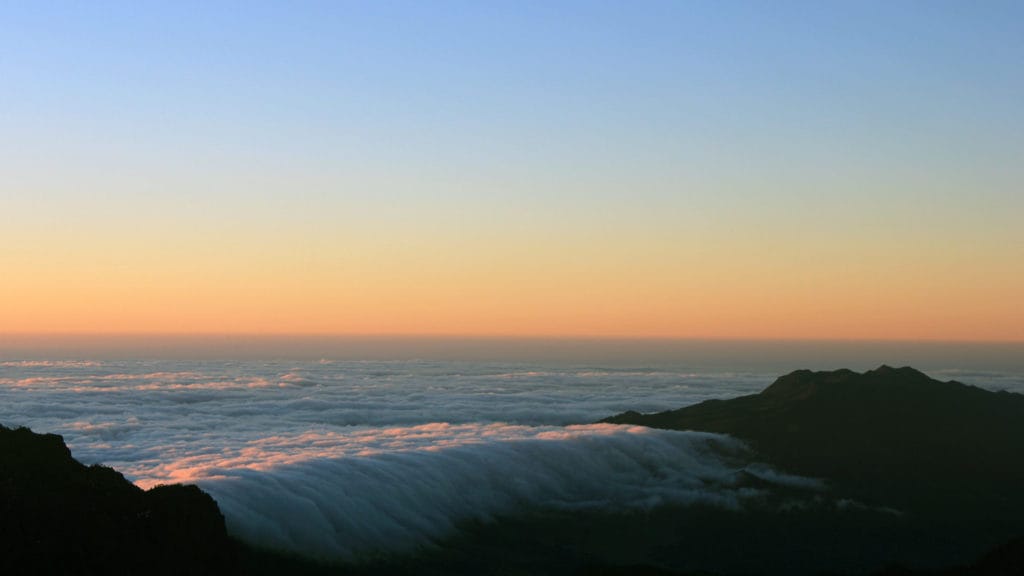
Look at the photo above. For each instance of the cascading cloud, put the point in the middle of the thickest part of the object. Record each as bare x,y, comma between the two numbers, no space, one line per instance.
400,500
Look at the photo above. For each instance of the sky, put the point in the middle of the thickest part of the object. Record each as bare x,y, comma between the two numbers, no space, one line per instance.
756,170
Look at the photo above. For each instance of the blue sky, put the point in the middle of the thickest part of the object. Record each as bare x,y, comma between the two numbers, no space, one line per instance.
466,126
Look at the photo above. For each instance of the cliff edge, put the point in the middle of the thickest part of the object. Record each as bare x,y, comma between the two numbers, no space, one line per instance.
58,516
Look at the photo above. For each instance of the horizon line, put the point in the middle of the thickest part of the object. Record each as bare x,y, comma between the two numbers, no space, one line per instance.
493,337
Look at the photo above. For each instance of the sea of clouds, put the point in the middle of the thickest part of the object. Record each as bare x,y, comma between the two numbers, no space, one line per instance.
165,404
338,459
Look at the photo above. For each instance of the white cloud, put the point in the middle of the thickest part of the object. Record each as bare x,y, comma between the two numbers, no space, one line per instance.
397,489
333,458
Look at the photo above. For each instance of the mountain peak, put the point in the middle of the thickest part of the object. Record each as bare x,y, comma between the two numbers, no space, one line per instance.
902,372
945,454
804,384
857,425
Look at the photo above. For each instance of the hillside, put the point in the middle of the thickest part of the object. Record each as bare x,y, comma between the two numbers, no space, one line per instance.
946,455
58,516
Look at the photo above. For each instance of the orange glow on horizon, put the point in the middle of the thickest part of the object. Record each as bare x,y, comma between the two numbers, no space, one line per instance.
654,279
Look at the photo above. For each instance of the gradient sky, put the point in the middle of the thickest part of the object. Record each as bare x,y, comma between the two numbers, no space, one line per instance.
677,169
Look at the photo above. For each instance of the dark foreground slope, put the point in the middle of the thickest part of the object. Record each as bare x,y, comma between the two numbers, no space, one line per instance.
948,457
58,516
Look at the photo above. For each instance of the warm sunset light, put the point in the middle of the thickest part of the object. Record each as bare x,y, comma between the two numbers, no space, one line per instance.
697,174
459,288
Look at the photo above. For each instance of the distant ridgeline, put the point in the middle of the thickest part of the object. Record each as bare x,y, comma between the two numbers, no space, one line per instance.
948,458
919,472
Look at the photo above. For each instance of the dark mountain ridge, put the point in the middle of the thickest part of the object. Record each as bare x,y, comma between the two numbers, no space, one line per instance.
946,455
58,516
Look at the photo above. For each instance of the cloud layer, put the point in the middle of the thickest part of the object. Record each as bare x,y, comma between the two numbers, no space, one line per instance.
411,487
337,459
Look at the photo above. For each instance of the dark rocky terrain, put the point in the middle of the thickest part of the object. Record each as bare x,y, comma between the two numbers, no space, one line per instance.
948,457
58,516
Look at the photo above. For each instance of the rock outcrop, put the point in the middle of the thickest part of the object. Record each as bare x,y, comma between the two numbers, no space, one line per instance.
58,516
946,456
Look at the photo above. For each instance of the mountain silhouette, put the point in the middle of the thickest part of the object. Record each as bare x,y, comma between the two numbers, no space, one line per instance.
58,516
947,456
